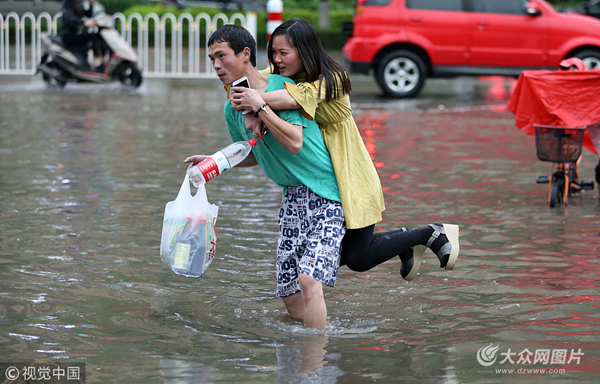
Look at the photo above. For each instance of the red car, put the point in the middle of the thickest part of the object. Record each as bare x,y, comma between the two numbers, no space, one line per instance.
406,41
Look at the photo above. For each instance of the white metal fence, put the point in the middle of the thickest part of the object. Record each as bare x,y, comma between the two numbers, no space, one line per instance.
184,56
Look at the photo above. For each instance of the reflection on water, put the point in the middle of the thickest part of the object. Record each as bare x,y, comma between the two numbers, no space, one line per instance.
85,173
173,371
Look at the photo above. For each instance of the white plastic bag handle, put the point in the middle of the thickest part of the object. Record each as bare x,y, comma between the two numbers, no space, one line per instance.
188,204
185,188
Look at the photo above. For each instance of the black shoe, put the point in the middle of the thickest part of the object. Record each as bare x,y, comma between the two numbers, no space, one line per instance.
100,68
410,267
447,253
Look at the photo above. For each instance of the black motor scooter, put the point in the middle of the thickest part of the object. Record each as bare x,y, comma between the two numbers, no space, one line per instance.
60,64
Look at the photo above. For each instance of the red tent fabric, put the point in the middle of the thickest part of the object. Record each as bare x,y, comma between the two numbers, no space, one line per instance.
559,98
571,62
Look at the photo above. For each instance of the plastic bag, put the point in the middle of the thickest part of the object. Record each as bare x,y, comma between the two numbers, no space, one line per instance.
189,236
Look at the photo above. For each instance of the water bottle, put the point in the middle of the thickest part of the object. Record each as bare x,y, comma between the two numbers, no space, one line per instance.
219,162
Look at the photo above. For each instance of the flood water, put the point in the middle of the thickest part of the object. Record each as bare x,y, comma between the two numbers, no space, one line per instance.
85,174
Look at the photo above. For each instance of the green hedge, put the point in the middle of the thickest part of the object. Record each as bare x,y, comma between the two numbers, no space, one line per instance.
560,4
313,5
114,6
160,10
143,10
332,37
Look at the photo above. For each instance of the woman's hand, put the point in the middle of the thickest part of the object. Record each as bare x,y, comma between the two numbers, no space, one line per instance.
245,98
193,160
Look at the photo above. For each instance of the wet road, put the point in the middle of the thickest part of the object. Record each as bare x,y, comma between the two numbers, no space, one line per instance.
85,173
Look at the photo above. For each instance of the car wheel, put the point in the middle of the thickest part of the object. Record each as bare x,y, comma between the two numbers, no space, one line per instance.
590,58
401,74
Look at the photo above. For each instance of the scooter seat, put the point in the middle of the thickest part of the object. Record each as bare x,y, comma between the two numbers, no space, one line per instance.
58,40
73,48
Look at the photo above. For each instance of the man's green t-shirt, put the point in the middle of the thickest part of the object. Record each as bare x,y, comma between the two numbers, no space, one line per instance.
311,166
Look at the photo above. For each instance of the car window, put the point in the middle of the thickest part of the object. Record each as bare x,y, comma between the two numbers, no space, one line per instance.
511,7
377,2
440,5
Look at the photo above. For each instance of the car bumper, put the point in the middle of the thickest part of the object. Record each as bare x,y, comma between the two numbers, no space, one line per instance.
358,54
358,67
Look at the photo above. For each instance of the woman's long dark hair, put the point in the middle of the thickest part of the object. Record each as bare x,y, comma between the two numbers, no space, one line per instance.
301,35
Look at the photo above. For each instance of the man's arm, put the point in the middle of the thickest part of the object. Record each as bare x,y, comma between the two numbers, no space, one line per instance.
254,124
249,161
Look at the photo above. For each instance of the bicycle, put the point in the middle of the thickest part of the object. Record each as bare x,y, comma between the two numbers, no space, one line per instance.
561,146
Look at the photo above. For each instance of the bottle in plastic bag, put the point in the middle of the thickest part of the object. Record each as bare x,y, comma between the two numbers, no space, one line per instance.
182,249
220,162
189,256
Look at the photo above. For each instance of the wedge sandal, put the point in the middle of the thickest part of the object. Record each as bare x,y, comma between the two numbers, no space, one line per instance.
450,248
410,268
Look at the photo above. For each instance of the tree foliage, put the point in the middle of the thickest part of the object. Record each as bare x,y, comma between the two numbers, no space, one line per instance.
313,5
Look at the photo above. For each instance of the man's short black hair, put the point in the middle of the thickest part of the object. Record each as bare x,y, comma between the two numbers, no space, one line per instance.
237,37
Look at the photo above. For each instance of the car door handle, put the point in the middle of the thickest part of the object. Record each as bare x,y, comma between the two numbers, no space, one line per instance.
416,19
481,24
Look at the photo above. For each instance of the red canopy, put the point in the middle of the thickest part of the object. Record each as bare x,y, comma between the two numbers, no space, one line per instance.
559,98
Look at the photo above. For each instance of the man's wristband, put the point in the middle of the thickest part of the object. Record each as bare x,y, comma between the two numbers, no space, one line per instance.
264,108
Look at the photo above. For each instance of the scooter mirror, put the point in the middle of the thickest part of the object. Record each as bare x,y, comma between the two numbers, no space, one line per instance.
104,21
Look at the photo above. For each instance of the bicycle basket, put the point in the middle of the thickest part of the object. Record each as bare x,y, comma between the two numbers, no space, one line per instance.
558,145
